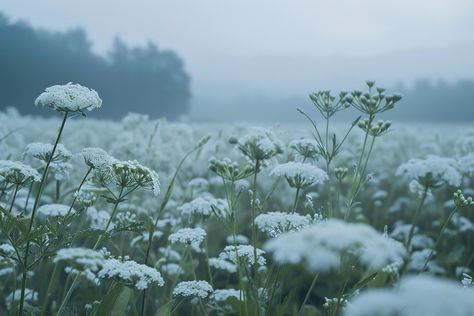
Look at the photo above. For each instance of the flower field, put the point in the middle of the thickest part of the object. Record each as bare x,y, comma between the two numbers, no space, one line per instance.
148,217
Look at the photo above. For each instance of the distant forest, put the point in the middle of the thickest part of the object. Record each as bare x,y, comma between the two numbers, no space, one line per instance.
130,79
154,81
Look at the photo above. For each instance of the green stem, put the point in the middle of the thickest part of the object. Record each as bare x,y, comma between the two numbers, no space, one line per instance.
96,245
308,293
14,198
415,218
295,203
438,239
254,233
33,212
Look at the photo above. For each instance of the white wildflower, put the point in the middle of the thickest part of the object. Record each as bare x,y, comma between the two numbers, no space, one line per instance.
276,223
43,152
306,147
188,236
131,273
204,205
200,289
421,295
299,174
96,158
259,144
18,173
69,98
321,246
432,171
245,254
81,261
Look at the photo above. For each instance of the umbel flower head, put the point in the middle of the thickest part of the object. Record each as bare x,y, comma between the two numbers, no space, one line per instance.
328,245
230,170
69,98
17,173
200,289
432,172
124,174
373,103
308,148
277,223
260,144
299,174
420,295
43,152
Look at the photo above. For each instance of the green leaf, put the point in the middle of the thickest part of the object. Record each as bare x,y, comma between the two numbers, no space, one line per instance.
116,301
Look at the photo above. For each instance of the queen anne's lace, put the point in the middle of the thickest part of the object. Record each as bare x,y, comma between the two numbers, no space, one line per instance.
69,98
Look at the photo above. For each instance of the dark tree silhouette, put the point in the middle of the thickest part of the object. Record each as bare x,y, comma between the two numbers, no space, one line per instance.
140,79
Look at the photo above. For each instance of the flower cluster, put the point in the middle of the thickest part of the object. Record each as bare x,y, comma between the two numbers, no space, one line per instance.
432,172
277,223
299,174
17,173
200,289
69,98
321,247
243,254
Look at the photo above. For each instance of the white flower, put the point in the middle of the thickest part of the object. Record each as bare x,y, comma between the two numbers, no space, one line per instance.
131,273
222,295
131,173
96,158
204,206
200,289
18,173
81,261
69,98
299,174
276,223
421,295
432,171
43,152
188,236
306,147
259,144
221,264
321,246
245,254
51,210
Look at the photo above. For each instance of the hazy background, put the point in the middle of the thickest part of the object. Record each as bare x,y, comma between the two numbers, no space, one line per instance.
240,60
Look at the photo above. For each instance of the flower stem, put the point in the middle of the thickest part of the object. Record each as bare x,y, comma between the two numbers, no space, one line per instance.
438,239
33,212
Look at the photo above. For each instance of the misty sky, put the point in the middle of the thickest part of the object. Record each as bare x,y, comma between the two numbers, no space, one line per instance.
279,48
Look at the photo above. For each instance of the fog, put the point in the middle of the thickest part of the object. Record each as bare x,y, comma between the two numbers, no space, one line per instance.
258,60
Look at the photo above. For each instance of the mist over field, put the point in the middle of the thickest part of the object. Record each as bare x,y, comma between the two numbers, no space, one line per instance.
250,158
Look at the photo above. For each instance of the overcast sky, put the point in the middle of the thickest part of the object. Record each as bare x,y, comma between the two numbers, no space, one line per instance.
279,48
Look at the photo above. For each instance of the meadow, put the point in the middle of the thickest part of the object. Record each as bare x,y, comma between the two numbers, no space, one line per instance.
149,217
